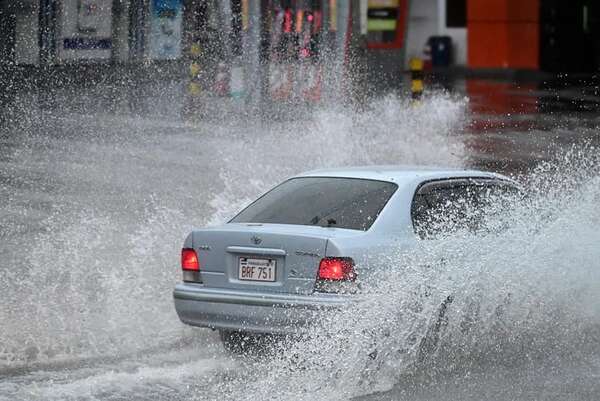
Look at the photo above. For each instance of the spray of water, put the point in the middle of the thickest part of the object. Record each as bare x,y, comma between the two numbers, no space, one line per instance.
95,222
105,217
526,296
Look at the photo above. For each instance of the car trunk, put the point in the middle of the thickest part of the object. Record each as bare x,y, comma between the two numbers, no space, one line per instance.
285,257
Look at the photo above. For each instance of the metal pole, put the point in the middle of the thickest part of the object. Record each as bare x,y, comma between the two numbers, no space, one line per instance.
116,13
47,31
251,56
226,15
264,54
341,46
137,26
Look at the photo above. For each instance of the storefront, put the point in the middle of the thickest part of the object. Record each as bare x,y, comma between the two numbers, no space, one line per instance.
260,50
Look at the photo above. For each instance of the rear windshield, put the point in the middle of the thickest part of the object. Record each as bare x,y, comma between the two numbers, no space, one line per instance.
318,201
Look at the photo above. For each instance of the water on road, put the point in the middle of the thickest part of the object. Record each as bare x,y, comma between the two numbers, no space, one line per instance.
96,197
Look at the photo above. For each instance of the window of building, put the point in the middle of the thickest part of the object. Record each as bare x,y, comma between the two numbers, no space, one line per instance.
456,13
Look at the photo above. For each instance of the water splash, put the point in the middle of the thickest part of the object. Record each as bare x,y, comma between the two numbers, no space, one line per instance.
389,131
107,216
104,205
528,296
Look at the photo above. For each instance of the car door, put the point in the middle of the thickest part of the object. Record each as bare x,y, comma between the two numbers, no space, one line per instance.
458,208
443,209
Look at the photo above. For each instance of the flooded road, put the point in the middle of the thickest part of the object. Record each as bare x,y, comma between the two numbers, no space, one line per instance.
98,190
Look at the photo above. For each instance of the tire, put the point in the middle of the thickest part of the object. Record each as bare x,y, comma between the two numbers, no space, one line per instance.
429,343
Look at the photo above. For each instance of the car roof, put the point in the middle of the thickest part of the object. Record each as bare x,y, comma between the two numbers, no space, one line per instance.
400,174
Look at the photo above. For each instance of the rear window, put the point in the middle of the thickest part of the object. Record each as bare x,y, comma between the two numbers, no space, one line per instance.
319,201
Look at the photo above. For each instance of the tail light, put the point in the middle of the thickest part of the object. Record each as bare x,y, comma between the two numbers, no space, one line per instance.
337,269
190,265
189,259
336,275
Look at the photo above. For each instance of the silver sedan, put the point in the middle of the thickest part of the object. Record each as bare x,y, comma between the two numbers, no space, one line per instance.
303,247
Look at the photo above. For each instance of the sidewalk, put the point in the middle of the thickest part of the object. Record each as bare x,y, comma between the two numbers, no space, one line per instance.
27,77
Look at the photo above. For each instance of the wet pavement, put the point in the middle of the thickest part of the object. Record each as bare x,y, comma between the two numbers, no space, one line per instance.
100,184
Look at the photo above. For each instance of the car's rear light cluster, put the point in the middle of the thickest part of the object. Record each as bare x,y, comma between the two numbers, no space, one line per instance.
337,269
336,274
190,265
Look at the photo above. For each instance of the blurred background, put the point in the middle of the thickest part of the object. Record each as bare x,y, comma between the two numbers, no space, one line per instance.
301,50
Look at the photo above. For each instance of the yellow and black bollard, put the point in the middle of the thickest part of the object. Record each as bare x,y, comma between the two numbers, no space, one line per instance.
416,77
194,87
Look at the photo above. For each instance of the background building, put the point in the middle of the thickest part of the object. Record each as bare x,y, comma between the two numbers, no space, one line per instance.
546,35
372,37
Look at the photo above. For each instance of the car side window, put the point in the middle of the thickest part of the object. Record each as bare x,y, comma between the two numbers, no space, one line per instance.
443,208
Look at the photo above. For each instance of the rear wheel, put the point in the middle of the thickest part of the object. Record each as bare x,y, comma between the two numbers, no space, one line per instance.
430,342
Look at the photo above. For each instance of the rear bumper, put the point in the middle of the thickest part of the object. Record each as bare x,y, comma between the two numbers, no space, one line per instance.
226,309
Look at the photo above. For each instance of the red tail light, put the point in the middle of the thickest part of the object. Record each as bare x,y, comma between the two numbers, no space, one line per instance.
337,269
189,260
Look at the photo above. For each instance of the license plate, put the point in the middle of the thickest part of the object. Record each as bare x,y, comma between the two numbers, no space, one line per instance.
253,269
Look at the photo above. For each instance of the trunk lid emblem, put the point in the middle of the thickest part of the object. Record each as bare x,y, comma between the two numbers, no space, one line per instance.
304,253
